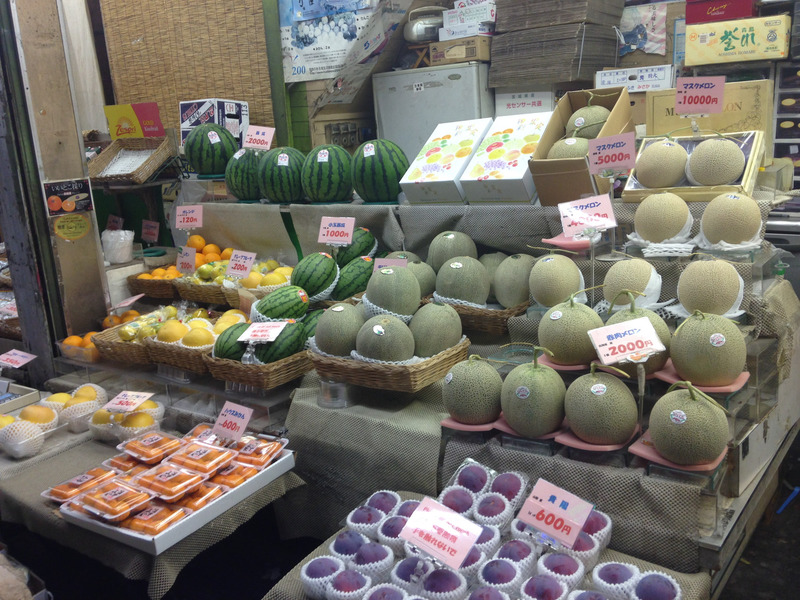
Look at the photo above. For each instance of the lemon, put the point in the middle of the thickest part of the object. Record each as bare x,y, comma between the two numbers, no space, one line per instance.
205,271
138,419
60,397
5,420
285,271
85,391
221,326
200,313
195,323
273,279
171,331
170,312
127,333
198,337
145,331
147,404
251,281
272,264
233,311
104,417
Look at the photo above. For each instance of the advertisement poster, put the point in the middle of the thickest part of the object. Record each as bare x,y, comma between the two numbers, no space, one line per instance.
134,120
64,197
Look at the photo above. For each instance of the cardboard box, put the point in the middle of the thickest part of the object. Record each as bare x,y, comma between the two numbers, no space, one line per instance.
467,30
676,11
461,50
233,115
638,108
433,176
510,101
499,170
747,105
765,38
485,12
26,396
706,11
562,180
637,79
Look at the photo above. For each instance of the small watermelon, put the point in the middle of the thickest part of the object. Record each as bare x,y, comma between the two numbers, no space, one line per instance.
362,244
227,344
290,302
315,273
289,341
378,166
310,322
326,174
208,148
241,175
279,175
353,278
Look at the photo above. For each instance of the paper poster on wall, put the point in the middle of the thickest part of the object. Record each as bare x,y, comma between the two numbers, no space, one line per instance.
134,120
70,196
304,10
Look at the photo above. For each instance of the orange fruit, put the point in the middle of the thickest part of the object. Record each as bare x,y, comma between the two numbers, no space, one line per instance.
226,254
68,205
111,321
158,271
94,353
87,339
128,318
54,203
211,249
172,275
73,340
199,260
197,242
144,276
130,313
211,257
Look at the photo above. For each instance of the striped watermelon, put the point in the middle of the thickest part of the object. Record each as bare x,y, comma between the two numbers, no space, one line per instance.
310,322
290,302
208,148
314,273
353,278
289,341
241,175
362,245
326,174
377,168
227,345
279,175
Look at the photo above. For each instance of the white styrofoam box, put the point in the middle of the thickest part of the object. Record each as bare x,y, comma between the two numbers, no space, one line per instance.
484,12
637,79
498,172
233,115
467,30
433,176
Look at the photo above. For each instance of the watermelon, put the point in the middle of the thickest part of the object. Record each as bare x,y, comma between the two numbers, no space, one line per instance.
241,175
290,302
208,148
227,345
315,273
310,322
326,174
279,175
362,245
377,168
353,278
289,341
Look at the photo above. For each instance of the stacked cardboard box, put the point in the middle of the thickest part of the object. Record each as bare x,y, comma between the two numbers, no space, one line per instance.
513,15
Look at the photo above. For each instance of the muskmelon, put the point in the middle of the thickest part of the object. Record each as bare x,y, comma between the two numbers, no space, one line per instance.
532,398
563,329
657,360
661,164
450,244
409,256
571,147
633,274
463,278
587,122
394,289
601,409
436,327
426,276
715,161
731,218
687,427
471,391
337,329
660,217
710,286
553,279
491,262
511,280
385,338
708,350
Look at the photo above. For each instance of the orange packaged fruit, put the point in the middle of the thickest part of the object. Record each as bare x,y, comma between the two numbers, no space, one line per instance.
234,475
168,482
88,338
151,447
202,433
114,500
204,495
67,490
73,340
202,458
154,519
257,452
122,462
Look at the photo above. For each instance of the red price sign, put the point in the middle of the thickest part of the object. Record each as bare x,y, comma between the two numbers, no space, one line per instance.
630,340
263,332
126,401
186,260
589,213
615,153
16,358
336,231
240,263
150,231
441,532
232,421
258,137
128,301
555,512
189,217
9,309
699,95
114,222
390,262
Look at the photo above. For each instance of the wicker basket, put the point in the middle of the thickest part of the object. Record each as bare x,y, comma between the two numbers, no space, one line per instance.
261,376
152,288
210,293
163,148
112,348
398,378
485,319
5,278
9,328
176,356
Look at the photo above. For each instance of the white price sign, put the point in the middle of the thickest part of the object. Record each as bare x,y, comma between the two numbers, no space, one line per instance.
126,401
189,217
150,231
615,153
336,231
9,309
632,340
263,332
240,263
555,512
258,137
16,358
232,421
186,260
128,301
588,213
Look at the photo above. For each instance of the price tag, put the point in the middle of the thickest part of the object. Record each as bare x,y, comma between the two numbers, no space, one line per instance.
555,512
16,358
630,340
126,401
263,332
189,217
258,137
114,223
369,150
128,301
232,421
613,153
595,212
150,231
336,231
390,262
322,156
9,309
283,160
186,260
699,95
240,263
441,532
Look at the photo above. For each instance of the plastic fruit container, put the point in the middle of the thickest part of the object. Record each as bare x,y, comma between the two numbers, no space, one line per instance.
113,501
202,458
155,518
202,433
234,475
258,452
121,463
169,482
151,447
205,494
66,490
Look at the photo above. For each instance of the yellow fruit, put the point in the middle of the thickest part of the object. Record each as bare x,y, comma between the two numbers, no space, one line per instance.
272,264
226,254
104,417
86,392
221,326
147,404
286,271
170,312
36,413
205,271
273,279
137,419
195,323
5,420
127,333
61,398
251,281
144,276
198,337
78,400
197,242
172,331
233,311
159,271
145,332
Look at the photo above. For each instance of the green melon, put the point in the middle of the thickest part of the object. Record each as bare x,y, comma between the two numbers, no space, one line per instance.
289,341
471,391
601,409
731,218
463,278
656,361
208,148
710,286
715,161
660,217
385,338
450,244
326,176
409,256
353,278
425,275
708,350
337,329
511,280
563,329
227,344
241,175
572,147
491,262
587,122
633,274
394,289
362,245
315,273
377,168
436,327
553,279
279,175
290,302
661,164
532,399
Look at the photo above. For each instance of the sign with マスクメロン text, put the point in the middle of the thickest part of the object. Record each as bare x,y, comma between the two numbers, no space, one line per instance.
632,340
189,216
240,263
16,358
232,421
616,153
336,231
595,213
126,401
555,512
699,95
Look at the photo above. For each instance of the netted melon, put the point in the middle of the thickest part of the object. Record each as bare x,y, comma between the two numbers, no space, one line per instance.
655,361
731,218
409,256
587,122
394,289
553,279
633,274
337,329
471,391
511,279
660,217
708,350
715,161
385,338
571,147
491,262
426,276
710,286
661,164
463,278
448,245
436,327
563,329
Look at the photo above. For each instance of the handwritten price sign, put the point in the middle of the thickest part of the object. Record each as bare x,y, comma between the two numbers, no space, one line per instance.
630,340
258,137
9,309
189,217
240,263
150,231
336,231
595,212
126,401
16,358
114,223
186,260
390,262
232,421
555,512
614,153
263,332
441,532
128,301
699,95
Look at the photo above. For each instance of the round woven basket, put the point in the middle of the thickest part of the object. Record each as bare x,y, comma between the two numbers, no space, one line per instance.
152,288
261,376
485,319
114,349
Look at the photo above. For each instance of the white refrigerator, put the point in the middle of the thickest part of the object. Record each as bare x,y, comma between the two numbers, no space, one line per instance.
410,104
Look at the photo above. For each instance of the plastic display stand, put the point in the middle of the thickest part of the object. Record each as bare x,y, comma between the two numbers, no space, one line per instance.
643,448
